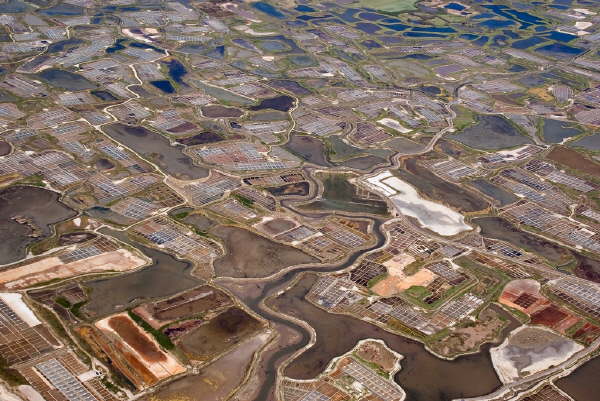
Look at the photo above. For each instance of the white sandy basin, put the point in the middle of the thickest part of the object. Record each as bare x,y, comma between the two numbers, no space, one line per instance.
15,302
431,215
530,350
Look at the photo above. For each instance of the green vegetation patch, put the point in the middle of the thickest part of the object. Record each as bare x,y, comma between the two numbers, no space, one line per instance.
243,200
375,280
158,335
418,292
390,6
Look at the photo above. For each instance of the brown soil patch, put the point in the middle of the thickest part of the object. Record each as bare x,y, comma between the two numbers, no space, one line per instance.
468,338
218,111
133,336
587,334
548,316
185,127
575,160
376,353
219,334
277,226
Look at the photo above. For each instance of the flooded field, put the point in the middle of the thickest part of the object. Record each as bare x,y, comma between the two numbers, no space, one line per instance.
223,95
466,376
26,216
590,142
165,276
65,79
491,133
156,148
440,190
308,148
281,103
501,196
556,131
339,194
499,228
250,255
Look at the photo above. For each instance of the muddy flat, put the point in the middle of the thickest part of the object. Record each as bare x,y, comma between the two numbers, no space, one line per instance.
219,334
251,255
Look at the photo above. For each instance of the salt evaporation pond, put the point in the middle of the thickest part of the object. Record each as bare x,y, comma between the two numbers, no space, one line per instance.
431,215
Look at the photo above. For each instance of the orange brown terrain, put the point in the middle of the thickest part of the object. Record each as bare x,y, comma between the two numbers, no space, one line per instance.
135,353
132,335
525,296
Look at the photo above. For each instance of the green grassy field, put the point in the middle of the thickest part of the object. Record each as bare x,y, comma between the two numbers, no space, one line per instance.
390,6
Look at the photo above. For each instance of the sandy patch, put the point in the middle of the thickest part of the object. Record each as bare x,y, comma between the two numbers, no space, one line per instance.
6,395
392,285
431,215
15,302
395,266
394,124
529,350
398,281
53,268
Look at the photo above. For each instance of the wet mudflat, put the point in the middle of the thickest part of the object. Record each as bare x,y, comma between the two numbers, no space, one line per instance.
216,381
296,189
165,276
5,148
440,190
157,148
200,139
250,255
364,163
464,377
499,228
218,111
37,209
587,267
308,148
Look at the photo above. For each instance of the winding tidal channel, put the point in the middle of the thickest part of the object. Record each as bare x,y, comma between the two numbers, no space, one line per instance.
423,376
